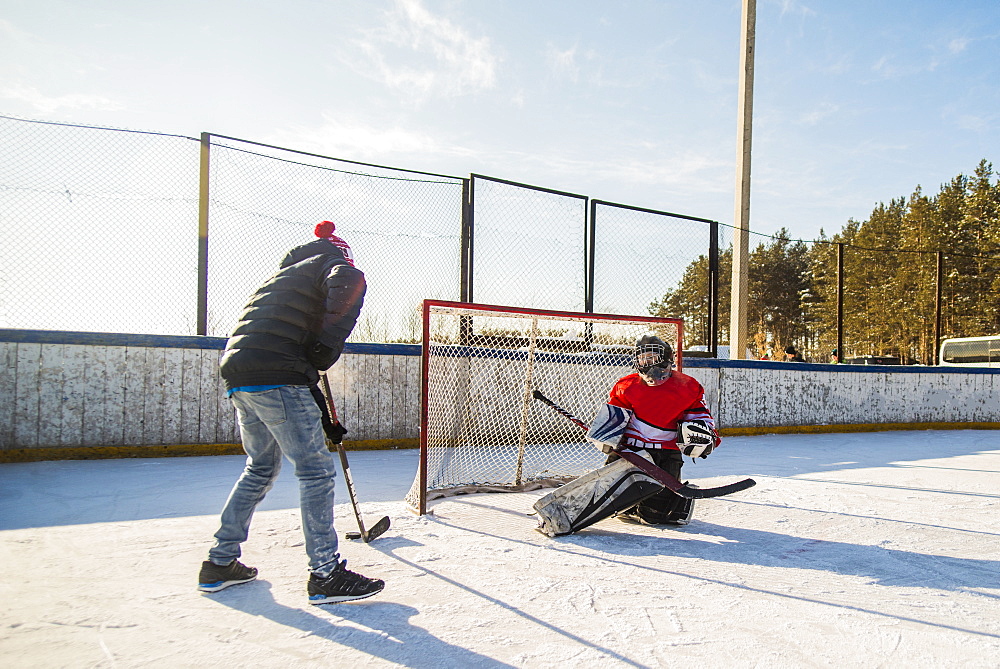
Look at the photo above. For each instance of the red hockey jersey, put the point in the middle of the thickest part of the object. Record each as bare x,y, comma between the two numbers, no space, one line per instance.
657,409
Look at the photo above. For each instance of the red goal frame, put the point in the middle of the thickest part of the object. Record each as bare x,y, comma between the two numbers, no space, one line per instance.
429,305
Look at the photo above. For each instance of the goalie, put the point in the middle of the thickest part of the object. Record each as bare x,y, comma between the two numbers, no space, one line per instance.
661,414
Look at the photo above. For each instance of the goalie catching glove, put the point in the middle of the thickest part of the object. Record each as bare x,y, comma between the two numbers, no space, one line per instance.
695,438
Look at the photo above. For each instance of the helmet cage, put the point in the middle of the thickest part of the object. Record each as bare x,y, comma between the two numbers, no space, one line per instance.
648,356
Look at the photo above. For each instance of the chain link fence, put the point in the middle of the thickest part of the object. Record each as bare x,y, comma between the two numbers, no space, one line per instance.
640,255
404,230
102,233
99,229
528,246
113,230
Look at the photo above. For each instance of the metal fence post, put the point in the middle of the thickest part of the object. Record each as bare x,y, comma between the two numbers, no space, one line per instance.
590,258
937,307
840,301
203,181
713,289
465,275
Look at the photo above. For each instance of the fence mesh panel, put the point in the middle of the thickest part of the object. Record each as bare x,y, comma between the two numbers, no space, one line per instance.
482,428
528,247
641,257
404,231
99,229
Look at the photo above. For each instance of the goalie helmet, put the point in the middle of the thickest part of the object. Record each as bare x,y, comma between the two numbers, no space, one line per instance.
653,359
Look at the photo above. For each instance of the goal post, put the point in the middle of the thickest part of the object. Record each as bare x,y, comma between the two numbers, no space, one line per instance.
480,427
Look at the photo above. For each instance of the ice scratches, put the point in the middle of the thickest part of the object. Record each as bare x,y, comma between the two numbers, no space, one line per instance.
647,623
105,649
543,587
230,636
346,628
89,623
983,591
571,655
582,601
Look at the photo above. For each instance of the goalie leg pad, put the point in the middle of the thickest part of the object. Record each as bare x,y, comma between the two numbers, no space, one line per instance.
665,507
593,497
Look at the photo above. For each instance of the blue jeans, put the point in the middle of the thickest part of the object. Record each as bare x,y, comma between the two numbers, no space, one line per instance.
273,422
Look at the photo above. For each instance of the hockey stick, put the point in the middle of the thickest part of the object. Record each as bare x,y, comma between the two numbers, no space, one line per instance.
379,528
664,478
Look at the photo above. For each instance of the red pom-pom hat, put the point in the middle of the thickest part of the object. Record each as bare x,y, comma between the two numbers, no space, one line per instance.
325,230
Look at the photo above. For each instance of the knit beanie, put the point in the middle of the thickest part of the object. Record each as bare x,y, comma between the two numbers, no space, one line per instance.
325,230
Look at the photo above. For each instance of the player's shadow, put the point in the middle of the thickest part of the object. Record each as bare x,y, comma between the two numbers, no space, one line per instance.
884,566
388,633
389,547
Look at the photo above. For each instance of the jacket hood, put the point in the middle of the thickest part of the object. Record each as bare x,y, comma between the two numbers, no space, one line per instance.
320,247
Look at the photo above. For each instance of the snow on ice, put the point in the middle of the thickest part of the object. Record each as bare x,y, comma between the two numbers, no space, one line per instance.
876,549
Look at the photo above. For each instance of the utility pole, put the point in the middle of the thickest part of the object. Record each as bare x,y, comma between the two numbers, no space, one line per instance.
741,233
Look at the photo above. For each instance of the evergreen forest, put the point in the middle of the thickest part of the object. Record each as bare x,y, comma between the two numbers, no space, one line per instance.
890,271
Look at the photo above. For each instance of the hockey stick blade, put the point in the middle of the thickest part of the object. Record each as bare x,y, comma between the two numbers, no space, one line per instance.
705,493
377,530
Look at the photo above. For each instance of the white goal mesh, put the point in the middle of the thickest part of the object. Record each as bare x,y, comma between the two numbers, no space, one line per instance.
481,428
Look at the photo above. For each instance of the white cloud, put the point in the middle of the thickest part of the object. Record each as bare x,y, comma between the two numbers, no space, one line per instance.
823,111
794,7
563,63
673,174
883,67
47,104
423,54
958,45
961,117
359,141
899,65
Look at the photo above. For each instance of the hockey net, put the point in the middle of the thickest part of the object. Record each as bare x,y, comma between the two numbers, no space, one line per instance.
481,428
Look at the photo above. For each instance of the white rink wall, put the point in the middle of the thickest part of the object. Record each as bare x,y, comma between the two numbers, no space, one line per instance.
759,394
64,390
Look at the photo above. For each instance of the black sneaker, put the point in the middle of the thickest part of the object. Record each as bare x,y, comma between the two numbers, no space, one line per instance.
214,578
342,586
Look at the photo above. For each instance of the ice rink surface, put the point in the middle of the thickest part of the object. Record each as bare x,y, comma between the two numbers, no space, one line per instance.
875,549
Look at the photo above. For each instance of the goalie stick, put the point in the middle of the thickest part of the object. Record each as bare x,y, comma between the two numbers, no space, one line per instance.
668,481
379,528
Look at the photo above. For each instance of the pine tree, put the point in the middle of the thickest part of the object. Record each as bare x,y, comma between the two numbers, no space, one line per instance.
890,278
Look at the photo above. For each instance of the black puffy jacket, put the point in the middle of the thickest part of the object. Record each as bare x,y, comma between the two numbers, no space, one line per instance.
315,298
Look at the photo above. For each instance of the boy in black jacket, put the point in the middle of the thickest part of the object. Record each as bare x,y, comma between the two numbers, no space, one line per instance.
294,326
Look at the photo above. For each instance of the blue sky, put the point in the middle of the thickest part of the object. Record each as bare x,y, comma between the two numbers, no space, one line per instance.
635,102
